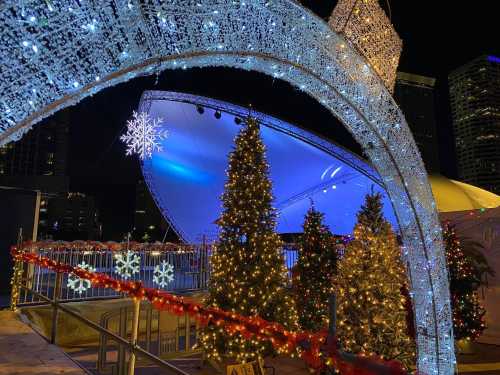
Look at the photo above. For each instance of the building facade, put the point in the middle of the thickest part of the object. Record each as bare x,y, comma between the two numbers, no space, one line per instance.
39,160
149,223
415,96
475,107
68,217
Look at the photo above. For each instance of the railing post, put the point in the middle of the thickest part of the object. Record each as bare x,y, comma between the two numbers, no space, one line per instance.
134,335
55,301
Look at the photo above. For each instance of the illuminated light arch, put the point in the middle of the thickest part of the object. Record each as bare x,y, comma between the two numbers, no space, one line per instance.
54,54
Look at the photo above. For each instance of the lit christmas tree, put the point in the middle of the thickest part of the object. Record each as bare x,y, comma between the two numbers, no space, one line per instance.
314,272
371,309
468,314
248,270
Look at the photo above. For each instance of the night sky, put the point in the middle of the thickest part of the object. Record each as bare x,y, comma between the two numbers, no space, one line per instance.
437,39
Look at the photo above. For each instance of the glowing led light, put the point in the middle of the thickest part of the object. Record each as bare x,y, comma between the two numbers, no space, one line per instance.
163,274
78,284
127,264
143,135
360,99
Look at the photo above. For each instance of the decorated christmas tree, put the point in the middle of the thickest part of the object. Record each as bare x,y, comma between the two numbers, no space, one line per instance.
371,309
248,270
468,314
314,272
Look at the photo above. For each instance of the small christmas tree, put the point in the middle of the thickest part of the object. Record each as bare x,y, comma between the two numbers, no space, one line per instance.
371,309
248,270
314,271
468,314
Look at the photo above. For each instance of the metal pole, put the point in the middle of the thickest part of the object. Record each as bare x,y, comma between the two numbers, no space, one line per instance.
133,339
57,291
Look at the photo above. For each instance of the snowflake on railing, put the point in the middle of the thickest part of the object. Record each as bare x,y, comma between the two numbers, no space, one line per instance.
78,284
163,274
127,264
143,135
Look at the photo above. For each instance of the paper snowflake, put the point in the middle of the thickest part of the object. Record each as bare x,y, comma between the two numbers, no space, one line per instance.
163,274
127,264
143,135
78,284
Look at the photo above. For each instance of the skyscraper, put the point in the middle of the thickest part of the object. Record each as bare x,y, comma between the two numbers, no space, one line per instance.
415,96
39,160
475,107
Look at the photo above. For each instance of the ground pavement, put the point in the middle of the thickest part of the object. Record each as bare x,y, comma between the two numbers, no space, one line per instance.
24,352
484,359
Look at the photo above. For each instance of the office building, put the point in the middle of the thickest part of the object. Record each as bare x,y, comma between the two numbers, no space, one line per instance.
39,160
415,96
68,216
149,223
475,107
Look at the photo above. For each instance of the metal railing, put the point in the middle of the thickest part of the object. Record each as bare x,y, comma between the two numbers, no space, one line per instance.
126,339
190,269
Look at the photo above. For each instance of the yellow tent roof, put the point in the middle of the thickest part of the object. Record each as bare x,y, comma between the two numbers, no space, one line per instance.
451,195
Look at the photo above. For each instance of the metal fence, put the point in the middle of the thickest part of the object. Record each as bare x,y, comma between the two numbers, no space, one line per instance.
173,268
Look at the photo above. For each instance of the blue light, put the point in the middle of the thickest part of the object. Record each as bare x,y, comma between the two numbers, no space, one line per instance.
494,59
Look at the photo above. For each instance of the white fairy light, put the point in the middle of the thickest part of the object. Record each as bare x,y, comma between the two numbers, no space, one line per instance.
163,274
143,135
299,44
78,284
365,24
127,264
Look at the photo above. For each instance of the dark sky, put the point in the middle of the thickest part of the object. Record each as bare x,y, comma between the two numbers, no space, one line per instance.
437,39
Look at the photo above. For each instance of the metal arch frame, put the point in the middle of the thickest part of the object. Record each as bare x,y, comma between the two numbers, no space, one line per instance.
281,39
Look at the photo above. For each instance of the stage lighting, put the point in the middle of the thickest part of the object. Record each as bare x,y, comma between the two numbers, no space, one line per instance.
200,109
217,114
237,120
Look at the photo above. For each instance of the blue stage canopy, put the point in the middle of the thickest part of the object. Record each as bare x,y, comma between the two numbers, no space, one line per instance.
187,177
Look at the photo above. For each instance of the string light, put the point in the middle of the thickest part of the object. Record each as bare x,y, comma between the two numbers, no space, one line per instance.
299,48
372,312
252,328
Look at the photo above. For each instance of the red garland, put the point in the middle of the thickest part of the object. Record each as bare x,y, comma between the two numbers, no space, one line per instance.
313,348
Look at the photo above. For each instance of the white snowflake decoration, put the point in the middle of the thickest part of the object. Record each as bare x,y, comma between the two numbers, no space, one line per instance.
143,135
127,264
78,284
163,274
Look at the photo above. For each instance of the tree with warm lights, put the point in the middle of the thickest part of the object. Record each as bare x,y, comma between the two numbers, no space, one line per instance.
249,275
371,309
468,314
314,271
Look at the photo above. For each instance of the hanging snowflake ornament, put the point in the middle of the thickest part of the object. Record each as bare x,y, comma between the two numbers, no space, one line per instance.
144,135
127,264
163,274
78,284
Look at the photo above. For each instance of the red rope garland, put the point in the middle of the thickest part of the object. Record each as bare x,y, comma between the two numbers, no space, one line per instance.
312,346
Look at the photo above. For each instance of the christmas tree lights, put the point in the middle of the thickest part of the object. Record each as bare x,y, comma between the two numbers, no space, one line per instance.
279,38
314,272
248,271
371,308
468,313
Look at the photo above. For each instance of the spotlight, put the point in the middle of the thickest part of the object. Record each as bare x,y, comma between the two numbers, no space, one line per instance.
217,114
200,109
237,120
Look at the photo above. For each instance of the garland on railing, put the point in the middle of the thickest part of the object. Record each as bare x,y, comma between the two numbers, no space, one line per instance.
312,347
103,246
